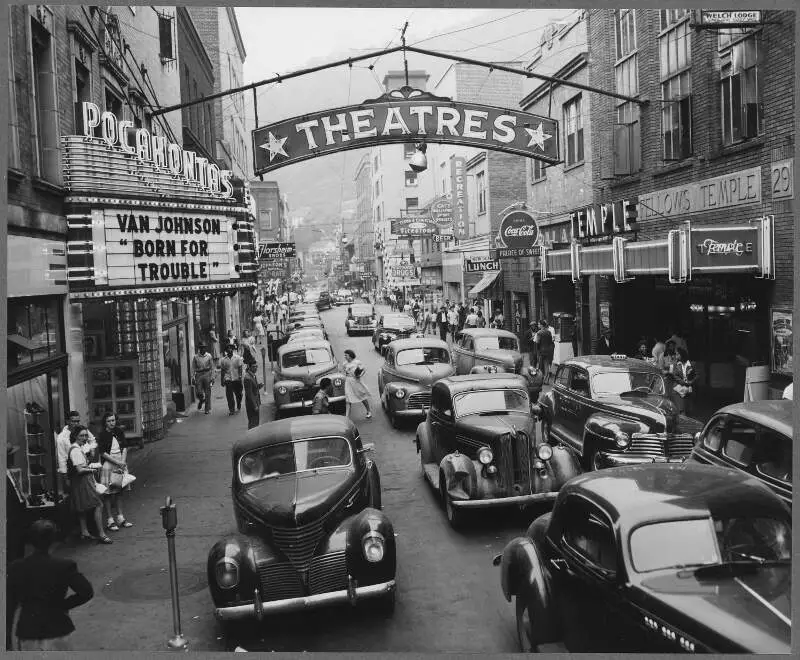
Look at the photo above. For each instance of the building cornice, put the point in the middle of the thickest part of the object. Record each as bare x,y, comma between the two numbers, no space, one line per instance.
570,69
236,33
197,42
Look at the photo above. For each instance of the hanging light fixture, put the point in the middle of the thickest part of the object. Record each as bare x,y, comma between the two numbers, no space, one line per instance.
419,161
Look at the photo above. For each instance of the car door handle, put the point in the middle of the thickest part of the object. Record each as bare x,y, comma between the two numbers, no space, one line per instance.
562,566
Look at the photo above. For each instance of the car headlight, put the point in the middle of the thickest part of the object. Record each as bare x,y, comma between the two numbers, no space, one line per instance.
485,455
337,382
282,390
622,439
226,572
400,394
374,546
544,452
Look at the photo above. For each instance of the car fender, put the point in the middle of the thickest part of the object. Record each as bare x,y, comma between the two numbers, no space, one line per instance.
333,376
524,574
602,426
288,384
351,531
564,465
241,549
460,476
374,481
389,390
423,441
488,368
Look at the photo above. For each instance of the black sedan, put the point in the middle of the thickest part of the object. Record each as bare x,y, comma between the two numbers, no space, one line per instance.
307,504
391,326
655,559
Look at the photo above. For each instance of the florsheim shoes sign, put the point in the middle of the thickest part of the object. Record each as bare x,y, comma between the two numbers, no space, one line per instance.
400,116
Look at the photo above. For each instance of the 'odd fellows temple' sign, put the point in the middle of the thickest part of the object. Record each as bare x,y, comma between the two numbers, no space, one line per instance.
404,115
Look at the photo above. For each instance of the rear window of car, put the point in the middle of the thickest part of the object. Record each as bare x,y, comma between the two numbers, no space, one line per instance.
774,455
290,457
362,310
674,543
496,343
400,321
422,356
306,357
612,383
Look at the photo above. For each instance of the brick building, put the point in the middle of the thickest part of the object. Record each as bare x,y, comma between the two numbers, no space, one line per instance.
707,160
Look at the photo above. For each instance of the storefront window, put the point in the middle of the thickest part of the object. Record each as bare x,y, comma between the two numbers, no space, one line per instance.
32,332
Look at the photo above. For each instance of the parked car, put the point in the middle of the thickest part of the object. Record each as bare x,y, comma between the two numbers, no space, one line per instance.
306,334
614,410
391,326
360,318
323,301
659,558
478,446
344,297
486,350
301,316
409,371
753,437
301,365
305,324
311,533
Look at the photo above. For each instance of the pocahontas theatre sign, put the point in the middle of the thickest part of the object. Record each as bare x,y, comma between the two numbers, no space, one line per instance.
404,115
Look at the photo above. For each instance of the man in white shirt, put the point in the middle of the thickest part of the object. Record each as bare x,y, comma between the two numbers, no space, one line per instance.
452,321
472,319
63,443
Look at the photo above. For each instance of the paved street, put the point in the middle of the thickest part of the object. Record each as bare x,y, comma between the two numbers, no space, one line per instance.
444,577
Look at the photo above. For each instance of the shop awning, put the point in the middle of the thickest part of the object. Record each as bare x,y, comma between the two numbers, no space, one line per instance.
485,282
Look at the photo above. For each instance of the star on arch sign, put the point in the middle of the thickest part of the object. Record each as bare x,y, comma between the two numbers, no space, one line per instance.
274,146
537,136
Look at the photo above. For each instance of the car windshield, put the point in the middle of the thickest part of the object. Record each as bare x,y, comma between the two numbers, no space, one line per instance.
400,322
361,310
343,292
302,335
426,355
496,343
306,357
290,457
613,383
491,402
708,541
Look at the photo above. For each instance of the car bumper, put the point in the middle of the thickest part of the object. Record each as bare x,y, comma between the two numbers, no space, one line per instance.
351,595
362,328
297,405
497,502
620,460
410,412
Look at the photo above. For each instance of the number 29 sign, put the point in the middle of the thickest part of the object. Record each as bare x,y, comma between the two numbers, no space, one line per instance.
782,179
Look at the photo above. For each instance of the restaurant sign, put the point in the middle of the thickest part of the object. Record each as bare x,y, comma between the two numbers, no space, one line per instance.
725,248
401,116
481,265
441,211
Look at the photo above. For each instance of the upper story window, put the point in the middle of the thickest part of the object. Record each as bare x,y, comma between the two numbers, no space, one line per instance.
480,187
625,24
13,126
377,187
675,61
538,170
412,202
408,149
377,161
740,84
411,178
573,130
43,91
627,142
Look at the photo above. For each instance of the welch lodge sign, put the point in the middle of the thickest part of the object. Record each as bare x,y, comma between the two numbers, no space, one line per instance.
402,116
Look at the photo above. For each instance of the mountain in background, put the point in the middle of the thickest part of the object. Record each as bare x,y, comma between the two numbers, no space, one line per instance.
321,189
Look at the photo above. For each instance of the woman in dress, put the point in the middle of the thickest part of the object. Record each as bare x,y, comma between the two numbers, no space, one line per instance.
111,448
684,376
84,500
355,391
213,340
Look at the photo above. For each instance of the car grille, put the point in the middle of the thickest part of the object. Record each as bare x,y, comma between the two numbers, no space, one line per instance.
282,580
364,320
298,543
514,463
303,395
660,445
419,400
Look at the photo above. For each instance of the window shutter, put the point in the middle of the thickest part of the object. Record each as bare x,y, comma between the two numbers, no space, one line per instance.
165,37
622,162
580,144
685,109
635,147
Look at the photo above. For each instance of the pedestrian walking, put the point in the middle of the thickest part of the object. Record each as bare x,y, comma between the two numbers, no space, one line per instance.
213,340
354,389
113,453
83,497
230,340
203,377
248,348
441,321
320,405
231,373
481,320
452,322
546,349
605,345
498,320
258,328
533,342
684,376
63,443
252,395
38,586
471,319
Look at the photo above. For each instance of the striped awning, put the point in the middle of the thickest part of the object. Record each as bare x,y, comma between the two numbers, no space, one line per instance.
485,282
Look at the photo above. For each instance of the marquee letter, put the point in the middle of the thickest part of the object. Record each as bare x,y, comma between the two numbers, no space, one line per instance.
360,121
91,118
213,178
108,128
340,127
144,144
307,126
189,159
450,122
507,132
225,180
394,121
472,121
159,152
421,111
123,137
174,157
202,171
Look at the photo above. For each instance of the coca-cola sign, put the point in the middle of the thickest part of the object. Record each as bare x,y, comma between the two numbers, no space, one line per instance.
735,248
518,230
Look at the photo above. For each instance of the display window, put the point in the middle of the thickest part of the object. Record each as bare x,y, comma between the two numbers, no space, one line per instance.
33,331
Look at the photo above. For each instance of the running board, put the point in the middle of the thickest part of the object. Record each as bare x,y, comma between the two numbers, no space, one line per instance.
431,471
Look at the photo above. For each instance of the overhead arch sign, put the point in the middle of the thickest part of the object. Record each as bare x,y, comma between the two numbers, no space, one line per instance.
404,115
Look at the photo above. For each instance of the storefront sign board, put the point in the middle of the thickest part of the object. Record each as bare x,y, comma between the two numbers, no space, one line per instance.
603,220
729,190
728,17
458,186
402,116
782,179
782,343
725,248
518,235
414,226
270,251
441,211
481,265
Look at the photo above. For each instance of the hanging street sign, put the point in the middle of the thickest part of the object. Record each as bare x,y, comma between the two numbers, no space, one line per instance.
413,226
269,251
441,211
729,17
402,116
519,235
481,265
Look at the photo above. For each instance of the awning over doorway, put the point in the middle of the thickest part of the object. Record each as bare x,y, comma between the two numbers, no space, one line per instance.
485,282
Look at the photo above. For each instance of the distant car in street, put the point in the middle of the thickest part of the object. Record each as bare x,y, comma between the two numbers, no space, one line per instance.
479,450
301,365
613,411
361,318
344,297
658,558
486,350
391,326
756,438
323,301
306,334
307,323
410,369
301,315
311,533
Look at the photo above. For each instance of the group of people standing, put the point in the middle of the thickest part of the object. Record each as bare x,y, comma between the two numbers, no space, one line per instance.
453,317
